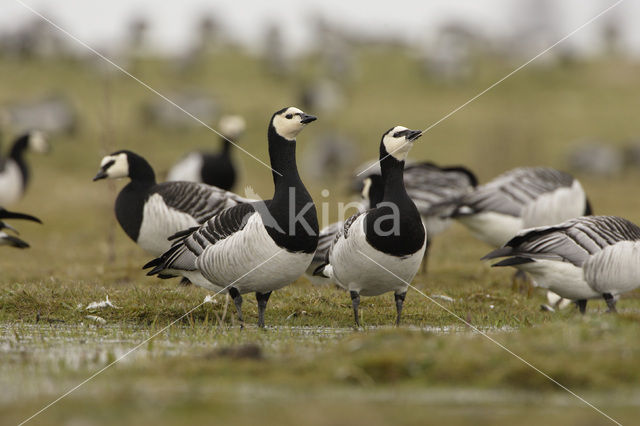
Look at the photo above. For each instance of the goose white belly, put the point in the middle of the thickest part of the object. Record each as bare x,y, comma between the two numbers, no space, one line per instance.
188,169
11,185
493,228
159,222
563,278
251,260
351,262
555,207
615,269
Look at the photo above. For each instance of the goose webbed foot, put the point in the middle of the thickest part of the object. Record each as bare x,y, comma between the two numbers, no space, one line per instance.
237,300
262,299
355,301
581,304
520,282
399,301
611,303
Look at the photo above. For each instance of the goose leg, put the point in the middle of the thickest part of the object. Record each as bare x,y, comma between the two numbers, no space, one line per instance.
355,300
399,301
425,258
611,302
237,300
581,304
262,299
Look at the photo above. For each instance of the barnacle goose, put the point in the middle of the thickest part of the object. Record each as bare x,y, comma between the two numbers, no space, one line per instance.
380,250
372,193
14,172
521,198
434,189
257,247
150,212
10,240
212,168
583,258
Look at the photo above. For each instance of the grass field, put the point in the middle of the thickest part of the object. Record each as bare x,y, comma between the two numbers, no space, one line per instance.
310,366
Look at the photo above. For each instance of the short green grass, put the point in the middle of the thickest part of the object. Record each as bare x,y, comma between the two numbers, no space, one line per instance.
310,366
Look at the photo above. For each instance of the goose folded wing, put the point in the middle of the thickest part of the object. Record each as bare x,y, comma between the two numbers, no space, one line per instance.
200,201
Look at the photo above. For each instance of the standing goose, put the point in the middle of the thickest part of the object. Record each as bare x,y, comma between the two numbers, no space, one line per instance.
521,198
212,168
14,171
583,258
150,212
380,250
258,247
10,240
434,189
372,193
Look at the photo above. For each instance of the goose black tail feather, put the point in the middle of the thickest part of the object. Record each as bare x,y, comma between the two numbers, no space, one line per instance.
513,261
154,262
501,252
6,214
184,233
319,271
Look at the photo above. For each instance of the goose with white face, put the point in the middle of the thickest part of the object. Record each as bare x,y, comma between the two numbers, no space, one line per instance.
399,140
232,126
38,142
290,122
113,167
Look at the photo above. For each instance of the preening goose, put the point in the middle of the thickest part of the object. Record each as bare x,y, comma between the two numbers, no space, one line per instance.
10,240
257,247
583,258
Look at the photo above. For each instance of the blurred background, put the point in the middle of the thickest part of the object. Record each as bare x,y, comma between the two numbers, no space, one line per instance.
360,67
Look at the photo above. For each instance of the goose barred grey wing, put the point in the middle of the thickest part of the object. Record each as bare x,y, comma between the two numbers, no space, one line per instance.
431,186
573,241
325,239
200,201
182,255
510,192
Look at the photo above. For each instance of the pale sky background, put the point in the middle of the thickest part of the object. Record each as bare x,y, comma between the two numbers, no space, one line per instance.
103,23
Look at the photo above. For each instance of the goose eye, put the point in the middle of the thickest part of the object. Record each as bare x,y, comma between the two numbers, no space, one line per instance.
289,116
397,134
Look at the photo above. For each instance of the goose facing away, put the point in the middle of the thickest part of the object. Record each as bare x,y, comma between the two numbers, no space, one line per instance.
519,199
212,168
583,258
258,247
14,171
151,212
380,250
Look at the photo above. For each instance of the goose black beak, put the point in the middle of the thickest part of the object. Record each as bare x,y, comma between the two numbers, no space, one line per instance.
101,175
412,135
306,118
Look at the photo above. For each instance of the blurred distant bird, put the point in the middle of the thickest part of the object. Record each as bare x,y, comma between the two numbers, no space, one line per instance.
258,247
208,167
150,212
434,189
10,240
52,114
380,250
163,114
580,259
596,159
329,155
14,171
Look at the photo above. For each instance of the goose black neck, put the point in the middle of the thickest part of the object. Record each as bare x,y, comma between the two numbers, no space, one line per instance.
393,178
226,145
290,198
140,171
17,154
19,147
